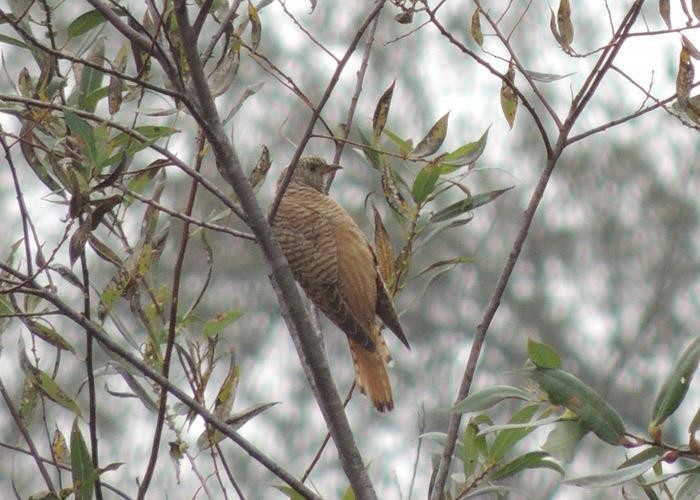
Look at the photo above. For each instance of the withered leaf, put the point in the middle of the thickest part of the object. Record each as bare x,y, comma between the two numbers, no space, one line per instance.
433,139
381,113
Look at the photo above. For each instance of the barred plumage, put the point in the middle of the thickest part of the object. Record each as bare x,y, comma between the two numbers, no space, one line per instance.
336,266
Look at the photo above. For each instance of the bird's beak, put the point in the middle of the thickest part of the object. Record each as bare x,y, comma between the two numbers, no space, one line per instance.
334,168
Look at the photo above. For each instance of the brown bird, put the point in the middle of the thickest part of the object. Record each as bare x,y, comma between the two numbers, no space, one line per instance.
337,268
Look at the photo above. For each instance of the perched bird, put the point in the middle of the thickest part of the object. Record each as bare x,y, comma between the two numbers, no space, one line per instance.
337,268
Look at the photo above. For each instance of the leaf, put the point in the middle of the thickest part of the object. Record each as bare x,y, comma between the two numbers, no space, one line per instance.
381,113
509,99
259,172
433,139
665,11
690,487
137,389
675,387
405,145
477,35
696,8
384,250
468,153
391,192
84,23
49,335
566,27
684,77
150,132
91,78
445,262
116,84
487,398
82,129
506,439
52,391
472,446
27,146
256,27
77,242
216,325
542,355
424,183
469,203
562,441
237,420
290,492
82,471
612,478
566,390
28,401
546,77
227,392
371,154
59,448
531,460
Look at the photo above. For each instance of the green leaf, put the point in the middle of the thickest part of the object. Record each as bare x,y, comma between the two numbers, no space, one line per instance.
506,439
468,153
291,493
405,146
489,397
82,471
372,155
49,335
51,390
85,22
612,478
467,204
381,113
474,445
424,183
433,139
531,460
566,390
509,98
542,355
675,387
91,78
216,325
83,130
690,488
561,443
441,439
151,132
545,77
12,41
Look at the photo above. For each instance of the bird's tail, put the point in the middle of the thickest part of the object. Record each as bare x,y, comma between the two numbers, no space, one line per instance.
371,374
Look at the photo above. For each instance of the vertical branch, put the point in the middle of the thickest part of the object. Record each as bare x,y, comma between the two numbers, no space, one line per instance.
553,155
89,368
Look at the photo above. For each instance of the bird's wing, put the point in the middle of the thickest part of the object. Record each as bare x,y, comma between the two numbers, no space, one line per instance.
305,229
387,312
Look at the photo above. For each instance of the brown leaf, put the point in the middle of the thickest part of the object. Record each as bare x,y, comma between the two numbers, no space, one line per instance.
76,245
685,77
665,11
257,176
256,27
393,196
383,249
566,27
381,112
477,35
116,84
696,8
433,139
509,99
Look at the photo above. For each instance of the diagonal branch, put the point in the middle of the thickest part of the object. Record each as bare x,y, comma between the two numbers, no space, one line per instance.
288,294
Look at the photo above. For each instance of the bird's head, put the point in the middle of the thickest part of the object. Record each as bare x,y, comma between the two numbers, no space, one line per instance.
311,171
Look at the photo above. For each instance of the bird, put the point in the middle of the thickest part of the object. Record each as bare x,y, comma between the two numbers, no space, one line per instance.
334,263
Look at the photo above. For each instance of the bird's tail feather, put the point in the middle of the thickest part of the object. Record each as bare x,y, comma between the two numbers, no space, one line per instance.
371,374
